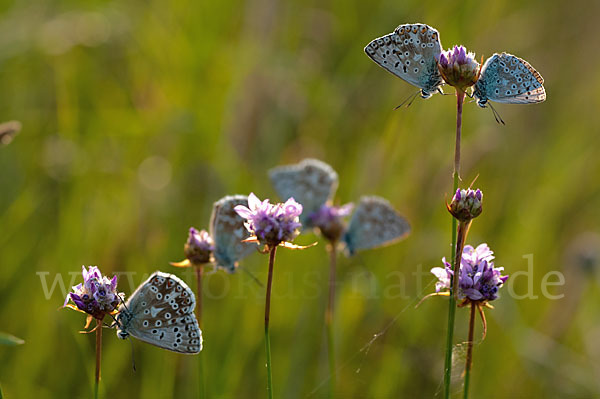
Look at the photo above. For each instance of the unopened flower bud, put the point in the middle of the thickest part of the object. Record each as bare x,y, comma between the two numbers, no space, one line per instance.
466,204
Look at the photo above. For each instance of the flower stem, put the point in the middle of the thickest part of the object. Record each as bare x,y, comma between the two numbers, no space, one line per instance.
267,312
469,352
463,230
98,356
451,313
199,271
460,96
329,318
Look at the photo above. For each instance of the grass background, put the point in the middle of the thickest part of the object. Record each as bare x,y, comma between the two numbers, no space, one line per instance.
137,115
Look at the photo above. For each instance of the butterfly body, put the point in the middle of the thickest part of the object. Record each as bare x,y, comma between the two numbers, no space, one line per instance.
227,231
506,78
161,312
411,53
311,183
374,223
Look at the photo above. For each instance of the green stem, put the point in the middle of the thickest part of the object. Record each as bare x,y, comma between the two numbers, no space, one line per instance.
98,356
460,96
267,312
462,231
201,388
469,352
329,319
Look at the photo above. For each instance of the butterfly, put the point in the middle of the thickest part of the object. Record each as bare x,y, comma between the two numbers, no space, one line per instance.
411,53
8,130
373,224
311,183
506,78
161,312
227,231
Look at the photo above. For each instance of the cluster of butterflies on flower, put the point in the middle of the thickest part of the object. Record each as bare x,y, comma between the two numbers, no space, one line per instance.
412,53
161,310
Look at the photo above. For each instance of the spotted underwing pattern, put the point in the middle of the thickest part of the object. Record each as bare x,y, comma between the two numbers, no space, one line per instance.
227,231
506,78
161,312
374,223
311,183
411,53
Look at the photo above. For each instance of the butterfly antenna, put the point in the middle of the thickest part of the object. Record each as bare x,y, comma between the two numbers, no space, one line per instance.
252,276
132,356
409,100
496,115
115,322
123,303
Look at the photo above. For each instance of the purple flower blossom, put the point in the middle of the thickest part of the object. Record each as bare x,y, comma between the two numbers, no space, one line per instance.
479,279
466,204
458,68
97,295
199,247
330,220
271,224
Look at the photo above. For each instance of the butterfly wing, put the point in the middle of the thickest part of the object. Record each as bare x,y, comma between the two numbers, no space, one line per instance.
506,78
8,130
161,312
374,223
411,53
227,231
311,182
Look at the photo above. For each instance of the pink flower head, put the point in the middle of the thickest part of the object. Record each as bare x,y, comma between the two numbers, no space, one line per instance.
199,247
97,295
458,68
479,279
330,220
271,224
466,204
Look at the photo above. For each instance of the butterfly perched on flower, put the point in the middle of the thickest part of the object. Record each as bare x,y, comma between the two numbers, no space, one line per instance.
228,232
413,52
310,182
224,244
373,223
161,312
506,78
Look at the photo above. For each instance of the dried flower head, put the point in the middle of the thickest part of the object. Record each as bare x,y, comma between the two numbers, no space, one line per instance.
271,224
479,279
466,204
330,220
458,68
97,296
199,247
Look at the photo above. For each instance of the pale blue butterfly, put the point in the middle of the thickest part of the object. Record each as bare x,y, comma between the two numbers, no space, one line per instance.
506,78
411,53
311,183
228,231
161,312
373,224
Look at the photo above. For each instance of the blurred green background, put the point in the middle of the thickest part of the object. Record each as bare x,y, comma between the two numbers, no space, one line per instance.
138,115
